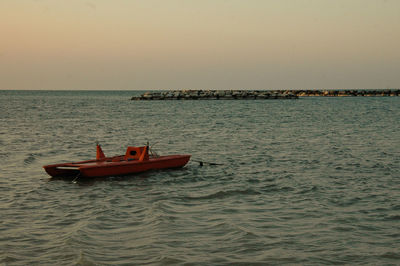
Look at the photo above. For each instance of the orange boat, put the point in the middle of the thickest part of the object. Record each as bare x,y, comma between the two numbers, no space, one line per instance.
135,160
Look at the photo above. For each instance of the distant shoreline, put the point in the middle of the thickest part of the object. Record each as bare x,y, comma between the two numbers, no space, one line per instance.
259,94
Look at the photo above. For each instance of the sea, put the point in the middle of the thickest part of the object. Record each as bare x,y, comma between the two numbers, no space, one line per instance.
309,181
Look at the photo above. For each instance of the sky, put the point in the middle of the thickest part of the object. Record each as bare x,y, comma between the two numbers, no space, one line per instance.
199,44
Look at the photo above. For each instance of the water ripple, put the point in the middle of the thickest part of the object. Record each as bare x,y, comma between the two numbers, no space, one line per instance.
312,182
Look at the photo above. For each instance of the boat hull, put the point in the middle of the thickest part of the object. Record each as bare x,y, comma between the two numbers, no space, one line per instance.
94,168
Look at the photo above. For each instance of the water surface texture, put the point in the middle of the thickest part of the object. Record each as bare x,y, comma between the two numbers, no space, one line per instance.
313,181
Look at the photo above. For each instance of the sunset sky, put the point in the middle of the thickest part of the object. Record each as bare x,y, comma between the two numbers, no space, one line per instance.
199,44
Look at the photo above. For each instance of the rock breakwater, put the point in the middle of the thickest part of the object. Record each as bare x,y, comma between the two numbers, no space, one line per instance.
215,95
340,93
257,94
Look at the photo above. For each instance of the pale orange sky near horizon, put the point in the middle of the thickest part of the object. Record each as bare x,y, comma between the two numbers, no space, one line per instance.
204,44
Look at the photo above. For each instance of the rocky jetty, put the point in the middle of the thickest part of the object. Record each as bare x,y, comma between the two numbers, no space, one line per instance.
257,94
345,93
215,95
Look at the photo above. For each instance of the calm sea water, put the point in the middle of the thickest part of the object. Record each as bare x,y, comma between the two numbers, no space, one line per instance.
313,181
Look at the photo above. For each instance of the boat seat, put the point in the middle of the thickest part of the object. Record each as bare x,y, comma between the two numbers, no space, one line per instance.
136,153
